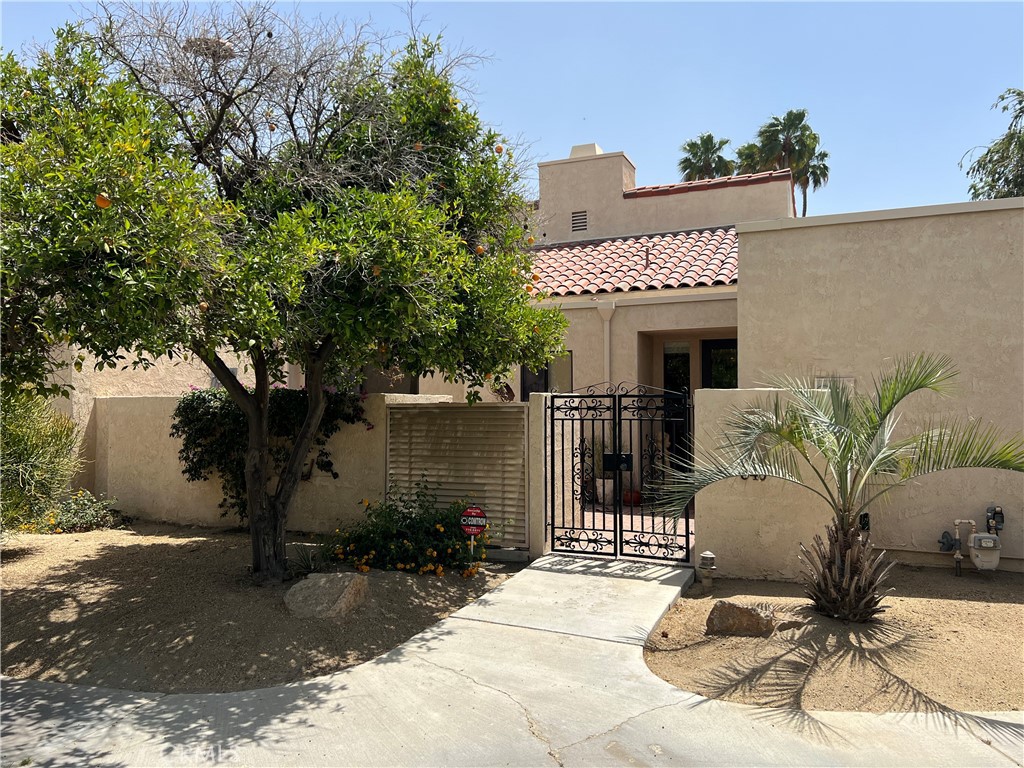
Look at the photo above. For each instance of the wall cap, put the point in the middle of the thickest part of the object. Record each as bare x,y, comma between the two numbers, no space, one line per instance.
947,209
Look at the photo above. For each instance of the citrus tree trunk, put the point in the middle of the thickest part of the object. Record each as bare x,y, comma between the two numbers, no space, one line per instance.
268,512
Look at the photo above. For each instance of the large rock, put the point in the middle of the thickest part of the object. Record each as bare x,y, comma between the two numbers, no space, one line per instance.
728,618
327,595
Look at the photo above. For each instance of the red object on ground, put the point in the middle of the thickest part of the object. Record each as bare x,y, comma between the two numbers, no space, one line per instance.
473,521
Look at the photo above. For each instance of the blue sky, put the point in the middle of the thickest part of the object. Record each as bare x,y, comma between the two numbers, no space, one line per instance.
898,92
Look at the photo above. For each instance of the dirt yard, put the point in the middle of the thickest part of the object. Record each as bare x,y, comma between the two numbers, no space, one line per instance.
169,609
945,643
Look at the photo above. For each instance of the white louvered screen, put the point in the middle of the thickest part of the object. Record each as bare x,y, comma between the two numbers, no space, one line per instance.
470,453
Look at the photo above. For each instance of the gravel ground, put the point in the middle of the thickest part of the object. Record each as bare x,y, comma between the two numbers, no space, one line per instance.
168,609
943,643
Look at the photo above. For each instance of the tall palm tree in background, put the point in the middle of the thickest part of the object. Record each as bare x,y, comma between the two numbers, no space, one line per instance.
703,159
789,142
846,445
748,158
813,175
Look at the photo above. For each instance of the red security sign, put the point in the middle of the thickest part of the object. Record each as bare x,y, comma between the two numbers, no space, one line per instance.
473,521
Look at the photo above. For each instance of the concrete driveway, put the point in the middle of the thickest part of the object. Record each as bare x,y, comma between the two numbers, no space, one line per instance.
546,670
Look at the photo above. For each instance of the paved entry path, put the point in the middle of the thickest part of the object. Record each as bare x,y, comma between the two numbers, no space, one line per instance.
546,670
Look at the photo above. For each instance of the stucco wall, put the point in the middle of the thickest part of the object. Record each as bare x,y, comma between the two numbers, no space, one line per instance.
164,377
630,355
596,183
137,462
843,294
754,527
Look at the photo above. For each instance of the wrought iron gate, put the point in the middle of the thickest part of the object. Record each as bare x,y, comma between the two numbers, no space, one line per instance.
607,447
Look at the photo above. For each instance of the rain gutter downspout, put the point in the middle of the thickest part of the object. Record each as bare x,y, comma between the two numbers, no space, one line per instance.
606,309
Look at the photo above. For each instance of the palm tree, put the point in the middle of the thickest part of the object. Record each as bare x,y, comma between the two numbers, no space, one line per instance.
813,175
749,160
846,441
703,159
789,142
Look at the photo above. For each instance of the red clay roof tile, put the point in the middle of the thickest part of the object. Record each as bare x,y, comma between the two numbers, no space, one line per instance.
693,186
644,262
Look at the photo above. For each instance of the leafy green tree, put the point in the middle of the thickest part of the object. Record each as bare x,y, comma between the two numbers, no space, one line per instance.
95,193
846,443
703,159
349,210
999,170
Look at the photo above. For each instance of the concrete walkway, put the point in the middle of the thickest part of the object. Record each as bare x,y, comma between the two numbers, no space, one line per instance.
546,670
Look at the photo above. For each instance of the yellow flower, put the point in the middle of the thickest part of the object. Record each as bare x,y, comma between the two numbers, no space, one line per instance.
440,527
365,502
57,530
400,567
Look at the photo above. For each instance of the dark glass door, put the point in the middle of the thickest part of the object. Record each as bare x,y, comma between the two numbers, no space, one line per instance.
677,366
718,364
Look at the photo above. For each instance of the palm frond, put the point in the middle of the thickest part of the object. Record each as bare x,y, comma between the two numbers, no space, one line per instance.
911,374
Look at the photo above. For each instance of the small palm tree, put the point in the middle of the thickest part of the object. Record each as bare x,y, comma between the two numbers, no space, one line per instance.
703,159
847,442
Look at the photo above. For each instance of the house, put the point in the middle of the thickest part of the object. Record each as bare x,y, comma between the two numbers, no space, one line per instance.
647,276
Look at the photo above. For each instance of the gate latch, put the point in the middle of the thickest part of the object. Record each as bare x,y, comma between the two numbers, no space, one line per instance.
618,462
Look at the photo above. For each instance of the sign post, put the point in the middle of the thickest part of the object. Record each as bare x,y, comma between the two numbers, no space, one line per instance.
473,523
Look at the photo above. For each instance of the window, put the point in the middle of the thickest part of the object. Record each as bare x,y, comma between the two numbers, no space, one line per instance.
579,221
556,376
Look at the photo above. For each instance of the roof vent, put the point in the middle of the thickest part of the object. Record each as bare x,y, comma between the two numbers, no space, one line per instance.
579,221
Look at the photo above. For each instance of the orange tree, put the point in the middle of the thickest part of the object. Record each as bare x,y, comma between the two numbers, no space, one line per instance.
330,205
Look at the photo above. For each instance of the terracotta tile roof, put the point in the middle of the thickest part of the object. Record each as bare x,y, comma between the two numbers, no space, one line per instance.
693,186
641,262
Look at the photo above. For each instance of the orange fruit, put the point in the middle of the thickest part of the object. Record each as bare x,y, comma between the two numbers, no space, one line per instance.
479,250
102,201
530,240
203,306
417,146
536,277
499,149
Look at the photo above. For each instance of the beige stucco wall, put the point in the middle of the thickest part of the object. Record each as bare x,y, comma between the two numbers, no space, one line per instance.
842,294
753,527
164,377
137,462
634,319
595,184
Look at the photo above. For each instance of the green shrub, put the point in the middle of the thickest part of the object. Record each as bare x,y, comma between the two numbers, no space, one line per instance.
38,458
410,532
214,435
77,513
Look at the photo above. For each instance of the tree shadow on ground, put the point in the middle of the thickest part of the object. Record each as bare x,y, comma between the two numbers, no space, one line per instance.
178,613
779,676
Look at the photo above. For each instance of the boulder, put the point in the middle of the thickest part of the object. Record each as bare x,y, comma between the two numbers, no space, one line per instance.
327,595
728,618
